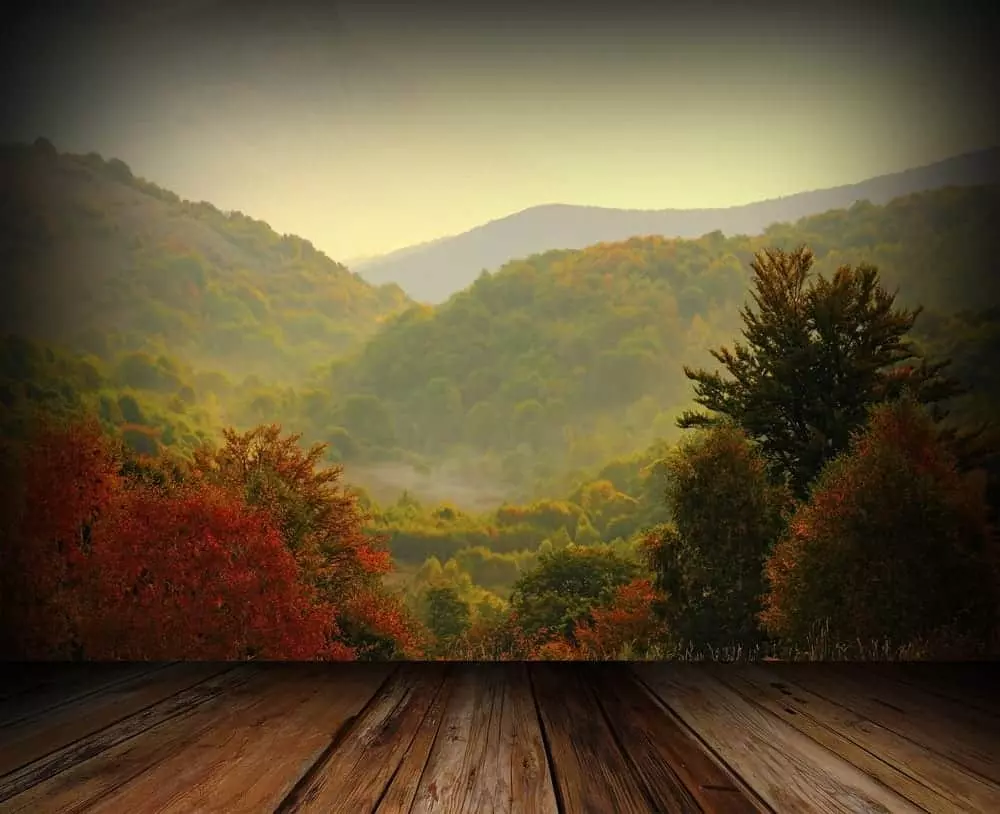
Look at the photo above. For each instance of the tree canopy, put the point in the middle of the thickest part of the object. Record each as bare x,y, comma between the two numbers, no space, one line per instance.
816,354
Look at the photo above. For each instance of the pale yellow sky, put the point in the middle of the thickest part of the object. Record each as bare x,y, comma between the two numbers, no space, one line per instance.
365,132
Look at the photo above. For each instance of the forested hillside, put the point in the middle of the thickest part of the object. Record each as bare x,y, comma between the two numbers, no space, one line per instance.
562,360
433,271
108,262
513,479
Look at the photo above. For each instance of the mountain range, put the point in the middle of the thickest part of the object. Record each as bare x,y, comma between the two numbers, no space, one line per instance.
432,272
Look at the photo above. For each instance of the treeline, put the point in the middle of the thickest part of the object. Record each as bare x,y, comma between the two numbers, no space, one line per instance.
251,551
534,376
109,263
564,360
827,505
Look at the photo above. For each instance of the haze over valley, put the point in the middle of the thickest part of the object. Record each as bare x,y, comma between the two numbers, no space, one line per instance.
432,272
696,317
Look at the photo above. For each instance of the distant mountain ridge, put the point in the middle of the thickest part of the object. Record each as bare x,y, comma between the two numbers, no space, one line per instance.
433,271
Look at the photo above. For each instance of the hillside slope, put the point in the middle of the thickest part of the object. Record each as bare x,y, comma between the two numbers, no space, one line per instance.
97,259
567,358
433,271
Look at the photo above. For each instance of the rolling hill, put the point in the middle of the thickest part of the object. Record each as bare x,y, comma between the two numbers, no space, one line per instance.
99,260
431,272
567,358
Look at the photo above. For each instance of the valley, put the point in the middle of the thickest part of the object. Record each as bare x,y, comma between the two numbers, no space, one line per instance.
518,436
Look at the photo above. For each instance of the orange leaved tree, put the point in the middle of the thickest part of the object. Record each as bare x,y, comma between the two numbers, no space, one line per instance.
97,565
323,525
893,543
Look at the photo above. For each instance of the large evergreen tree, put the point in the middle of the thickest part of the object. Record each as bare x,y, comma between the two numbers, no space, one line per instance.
817,353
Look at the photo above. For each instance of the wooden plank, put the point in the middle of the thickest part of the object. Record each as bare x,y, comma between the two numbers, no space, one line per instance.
789,771
966,739
973,686
679,773
531,781
32,738
591,774
80,774
353,778
935,784
489,754
23,678
251,759
38,689
403,787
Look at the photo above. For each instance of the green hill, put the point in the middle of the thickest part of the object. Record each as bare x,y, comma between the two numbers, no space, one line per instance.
567,358
100,260
512,389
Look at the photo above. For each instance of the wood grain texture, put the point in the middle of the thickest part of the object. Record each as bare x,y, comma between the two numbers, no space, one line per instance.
489,755
83,772
937,786
962,736
592,775
251,759
679,773
33,690
355,776
972,687
540,738
402,791
789,771
34,737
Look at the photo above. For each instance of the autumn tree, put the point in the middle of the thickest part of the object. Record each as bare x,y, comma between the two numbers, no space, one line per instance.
319,518
816,354
626,627
102,563
56,484
565,585
196,574
377,626
726,515
893,543
447,616
322,524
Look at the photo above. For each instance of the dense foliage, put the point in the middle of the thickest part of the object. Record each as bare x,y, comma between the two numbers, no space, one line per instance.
496,477
102,559
709,561
111,263
817,353
893,542
563,360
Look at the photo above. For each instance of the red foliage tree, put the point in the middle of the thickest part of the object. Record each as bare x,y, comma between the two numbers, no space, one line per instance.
56,485
628,622
323,525
503,639
198,575
320,521
97,564
893,543
377,626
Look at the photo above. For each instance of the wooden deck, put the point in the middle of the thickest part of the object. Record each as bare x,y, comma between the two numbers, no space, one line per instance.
607,739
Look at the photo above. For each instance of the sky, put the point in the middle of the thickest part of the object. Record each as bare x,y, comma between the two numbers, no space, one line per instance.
365,127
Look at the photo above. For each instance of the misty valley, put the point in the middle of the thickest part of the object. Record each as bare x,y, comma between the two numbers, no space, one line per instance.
220,443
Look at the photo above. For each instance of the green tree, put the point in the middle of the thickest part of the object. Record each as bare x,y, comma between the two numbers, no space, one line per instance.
817,353
366,418
566,584
446,615
726,517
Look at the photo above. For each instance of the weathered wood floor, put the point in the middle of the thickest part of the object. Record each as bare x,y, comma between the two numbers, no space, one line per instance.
608,739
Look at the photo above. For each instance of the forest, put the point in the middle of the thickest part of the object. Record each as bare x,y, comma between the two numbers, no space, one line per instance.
221,444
